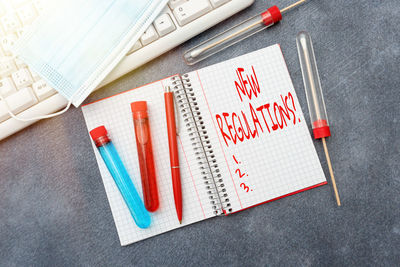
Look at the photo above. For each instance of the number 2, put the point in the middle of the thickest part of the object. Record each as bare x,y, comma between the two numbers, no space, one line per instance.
240,173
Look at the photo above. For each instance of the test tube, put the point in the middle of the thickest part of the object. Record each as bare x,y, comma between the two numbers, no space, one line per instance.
121,177
145,155
315,98
237,33
233,35
312,85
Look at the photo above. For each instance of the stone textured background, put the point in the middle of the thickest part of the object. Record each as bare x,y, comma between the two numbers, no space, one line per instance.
54,210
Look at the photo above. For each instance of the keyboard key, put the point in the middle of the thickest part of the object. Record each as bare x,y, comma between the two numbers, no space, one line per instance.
34,75
174,3
164,24
21,100
7,42
7,66
217,3
7,87
27,13
19,63
18,3
137,45
40,5
150,35
22,78
191,10
21,31
2,9
3,111
42,90
10,23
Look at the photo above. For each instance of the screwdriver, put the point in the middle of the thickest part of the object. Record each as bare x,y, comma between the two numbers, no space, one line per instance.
315,99
237,33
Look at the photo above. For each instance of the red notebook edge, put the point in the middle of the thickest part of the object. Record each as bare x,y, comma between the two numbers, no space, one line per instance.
286,195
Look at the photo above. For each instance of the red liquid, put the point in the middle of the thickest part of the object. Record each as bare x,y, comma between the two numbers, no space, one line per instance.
146,161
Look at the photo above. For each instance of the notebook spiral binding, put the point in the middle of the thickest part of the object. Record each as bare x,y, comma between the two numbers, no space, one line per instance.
188,106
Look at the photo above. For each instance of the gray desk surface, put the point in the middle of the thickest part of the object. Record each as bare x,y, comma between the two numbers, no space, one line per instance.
54,210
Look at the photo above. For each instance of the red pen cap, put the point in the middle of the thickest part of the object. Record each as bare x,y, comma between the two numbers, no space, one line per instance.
99,135
138,106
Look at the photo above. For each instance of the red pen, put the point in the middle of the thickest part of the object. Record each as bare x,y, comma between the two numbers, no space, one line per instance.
145,155
173,151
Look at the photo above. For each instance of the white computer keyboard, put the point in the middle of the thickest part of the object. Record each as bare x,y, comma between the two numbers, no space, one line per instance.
28,95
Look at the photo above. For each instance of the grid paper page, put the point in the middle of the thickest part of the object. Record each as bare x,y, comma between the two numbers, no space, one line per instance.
115,114
274,162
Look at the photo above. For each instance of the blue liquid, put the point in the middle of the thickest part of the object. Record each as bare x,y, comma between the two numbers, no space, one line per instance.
125,185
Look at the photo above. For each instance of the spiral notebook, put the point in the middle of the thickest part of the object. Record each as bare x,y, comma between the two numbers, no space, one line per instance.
243,141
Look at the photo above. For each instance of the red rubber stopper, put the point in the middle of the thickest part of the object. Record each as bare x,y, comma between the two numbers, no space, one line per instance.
139,106
98,132
139,109
99,135
321,129
275,13
271,16
321,132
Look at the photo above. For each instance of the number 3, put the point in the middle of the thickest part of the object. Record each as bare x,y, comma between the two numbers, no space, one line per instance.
245,187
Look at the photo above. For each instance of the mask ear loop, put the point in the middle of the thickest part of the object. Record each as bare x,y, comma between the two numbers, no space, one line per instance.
37,117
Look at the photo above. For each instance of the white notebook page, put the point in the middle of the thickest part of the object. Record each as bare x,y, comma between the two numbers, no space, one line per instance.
275,162
115,114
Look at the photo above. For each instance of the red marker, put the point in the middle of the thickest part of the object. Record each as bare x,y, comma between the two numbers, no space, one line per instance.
173,151
145,155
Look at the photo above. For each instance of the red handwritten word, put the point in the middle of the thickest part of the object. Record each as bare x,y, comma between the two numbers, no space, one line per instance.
241,126
247,87
241,175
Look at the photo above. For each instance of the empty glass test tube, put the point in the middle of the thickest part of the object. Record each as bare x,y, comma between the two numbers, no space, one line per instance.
312,85
315,98
237,33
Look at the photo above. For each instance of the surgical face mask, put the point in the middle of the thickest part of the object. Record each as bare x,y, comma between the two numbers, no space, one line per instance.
76,43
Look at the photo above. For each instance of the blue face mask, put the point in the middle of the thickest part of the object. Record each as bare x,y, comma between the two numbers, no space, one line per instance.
76,43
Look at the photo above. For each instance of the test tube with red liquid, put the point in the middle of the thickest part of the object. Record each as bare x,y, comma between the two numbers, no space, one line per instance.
145,155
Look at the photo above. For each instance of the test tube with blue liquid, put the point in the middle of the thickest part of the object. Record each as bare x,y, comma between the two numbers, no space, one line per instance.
121,177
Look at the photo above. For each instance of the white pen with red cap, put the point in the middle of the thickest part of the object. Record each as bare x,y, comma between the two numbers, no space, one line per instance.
237,33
